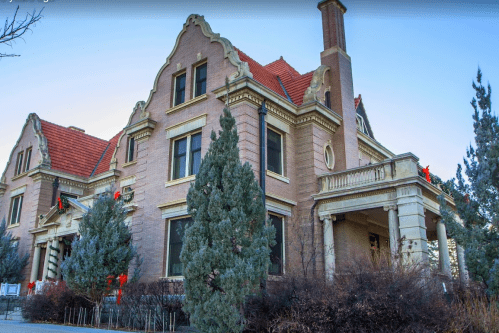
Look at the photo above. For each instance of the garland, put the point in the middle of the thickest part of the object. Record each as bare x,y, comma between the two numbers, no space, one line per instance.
434,180
127,198
62,205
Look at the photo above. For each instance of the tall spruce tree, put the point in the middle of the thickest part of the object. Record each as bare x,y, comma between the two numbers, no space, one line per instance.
11,265
477,195
103,250
225,250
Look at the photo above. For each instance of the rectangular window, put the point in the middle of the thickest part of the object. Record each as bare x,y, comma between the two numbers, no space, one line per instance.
19,164
175,241
28,159
277,251
16,207
179,89
186,156
274,151
200,81
131,149
327,99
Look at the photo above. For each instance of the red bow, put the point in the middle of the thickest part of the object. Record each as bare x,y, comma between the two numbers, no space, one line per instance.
123,280
426,171
60,203
31,285
117,195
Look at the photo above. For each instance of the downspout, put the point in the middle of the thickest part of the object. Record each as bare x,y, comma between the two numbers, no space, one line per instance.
312,226
55,187
262,111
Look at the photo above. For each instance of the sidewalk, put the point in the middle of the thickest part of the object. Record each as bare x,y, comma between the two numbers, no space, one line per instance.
15,326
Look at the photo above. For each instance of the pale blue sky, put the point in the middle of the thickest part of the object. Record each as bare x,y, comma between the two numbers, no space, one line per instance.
87,63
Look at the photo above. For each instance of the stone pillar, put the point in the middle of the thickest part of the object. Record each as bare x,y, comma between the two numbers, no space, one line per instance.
36,263
46,261
443,248
463,272
394,231
329,257
412,224
52,272
61,257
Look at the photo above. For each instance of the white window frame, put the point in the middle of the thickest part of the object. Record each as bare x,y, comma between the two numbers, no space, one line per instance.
169,224
283,250
187,154
17,218
128,157
194,79
282,150
175,87
27,158
19,162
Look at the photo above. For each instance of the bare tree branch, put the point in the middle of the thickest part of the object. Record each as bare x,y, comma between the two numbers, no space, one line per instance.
14,29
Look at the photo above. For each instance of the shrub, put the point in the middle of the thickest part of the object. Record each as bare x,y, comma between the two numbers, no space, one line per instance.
53,303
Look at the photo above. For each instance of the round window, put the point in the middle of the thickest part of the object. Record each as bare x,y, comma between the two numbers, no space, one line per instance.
329,156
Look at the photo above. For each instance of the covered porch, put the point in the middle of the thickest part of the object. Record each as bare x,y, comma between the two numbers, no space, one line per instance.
386,205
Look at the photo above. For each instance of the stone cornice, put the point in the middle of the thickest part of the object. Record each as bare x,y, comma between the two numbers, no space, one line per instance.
40,173
141,129
104,178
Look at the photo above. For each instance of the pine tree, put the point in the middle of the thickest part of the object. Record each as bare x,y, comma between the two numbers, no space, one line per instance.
103,250
477,195
11,265
225,250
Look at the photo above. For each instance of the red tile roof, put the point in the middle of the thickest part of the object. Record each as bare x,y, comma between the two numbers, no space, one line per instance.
357,101
294,83
72,151
104,163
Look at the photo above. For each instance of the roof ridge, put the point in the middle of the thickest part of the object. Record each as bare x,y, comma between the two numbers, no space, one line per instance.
69,129
287,63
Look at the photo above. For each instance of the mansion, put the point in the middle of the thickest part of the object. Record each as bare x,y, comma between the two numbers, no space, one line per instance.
328,183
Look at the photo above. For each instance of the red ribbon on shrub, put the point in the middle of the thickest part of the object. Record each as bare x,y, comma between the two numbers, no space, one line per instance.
60,203
426,171
117,195
123,280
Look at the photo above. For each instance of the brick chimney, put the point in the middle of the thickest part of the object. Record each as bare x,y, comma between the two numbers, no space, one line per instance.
345,142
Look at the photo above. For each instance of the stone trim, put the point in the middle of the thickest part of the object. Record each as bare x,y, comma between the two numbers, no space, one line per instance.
180,181
317,119
187,103
277,176
315,84
281,199
358,195
18,191
186,126
127,164
141,129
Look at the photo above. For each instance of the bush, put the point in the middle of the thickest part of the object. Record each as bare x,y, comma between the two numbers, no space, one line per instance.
151,304
366,297
53,303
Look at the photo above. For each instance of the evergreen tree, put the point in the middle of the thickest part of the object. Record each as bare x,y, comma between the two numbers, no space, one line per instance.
225,250
103,250
11,265
477,195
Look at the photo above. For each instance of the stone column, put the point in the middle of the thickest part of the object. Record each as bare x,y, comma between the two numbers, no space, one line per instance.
412,224
443,248
46,261
52,272
394,231
36,263
329,257
463,272
61,257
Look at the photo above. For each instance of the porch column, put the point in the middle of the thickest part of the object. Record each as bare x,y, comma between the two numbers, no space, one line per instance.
394,231
329,258
46,261
443,248
61,257
52,271
36,263
463,272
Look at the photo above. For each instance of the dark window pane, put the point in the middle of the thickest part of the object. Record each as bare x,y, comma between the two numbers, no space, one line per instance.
274,152
195,154
131,149
19,165
276,257
180,89
177,229
327,100
20,209
28,160
200,80
179,156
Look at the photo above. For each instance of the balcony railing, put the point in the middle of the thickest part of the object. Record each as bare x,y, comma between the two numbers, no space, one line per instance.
354,177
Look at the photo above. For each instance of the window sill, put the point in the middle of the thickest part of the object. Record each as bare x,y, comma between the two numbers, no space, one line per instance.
173,278
180,181
19,176
187,103
13,226
127,164
275,277
277,176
